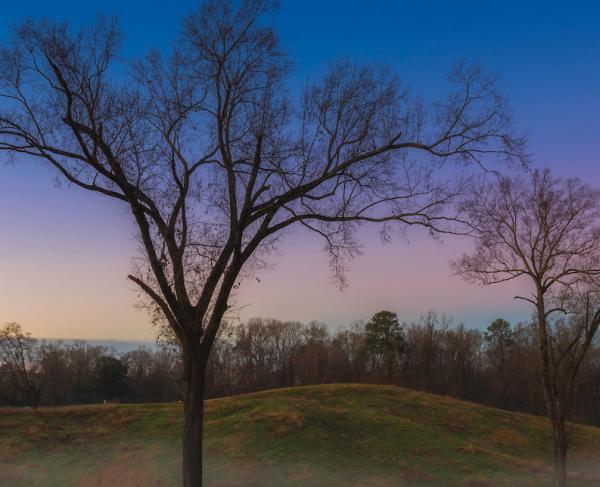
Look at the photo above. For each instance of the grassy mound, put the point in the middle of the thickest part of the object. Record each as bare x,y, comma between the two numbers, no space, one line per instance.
330,435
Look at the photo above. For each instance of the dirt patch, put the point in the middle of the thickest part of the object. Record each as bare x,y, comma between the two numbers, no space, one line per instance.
131,469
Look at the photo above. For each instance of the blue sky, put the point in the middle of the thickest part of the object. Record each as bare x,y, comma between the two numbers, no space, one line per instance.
60,243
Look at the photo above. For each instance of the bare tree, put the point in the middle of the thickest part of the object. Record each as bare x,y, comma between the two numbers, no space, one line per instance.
18,352
425,344
215,162
547,230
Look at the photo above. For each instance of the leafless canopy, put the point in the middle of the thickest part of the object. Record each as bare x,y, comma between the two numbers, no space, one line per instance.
541,227
215,161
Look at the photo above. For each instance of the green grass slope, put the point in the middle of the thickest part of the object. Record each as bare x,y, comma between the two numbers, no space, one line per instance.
330,435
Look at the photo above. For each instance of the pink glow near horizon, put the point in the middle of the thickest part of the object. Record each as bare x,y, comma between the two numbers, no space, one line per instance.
63,270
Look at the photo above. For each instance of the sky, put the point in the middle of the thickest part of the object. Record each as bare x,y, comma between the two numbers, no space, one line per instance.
65,253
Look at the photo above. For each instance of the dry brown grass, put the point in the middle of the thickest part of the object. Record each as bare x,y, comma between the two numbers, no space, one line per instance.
281,422
509,438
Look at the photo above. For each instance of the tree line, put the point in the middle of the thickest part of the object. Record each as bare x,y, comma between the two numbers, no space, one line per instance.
498,366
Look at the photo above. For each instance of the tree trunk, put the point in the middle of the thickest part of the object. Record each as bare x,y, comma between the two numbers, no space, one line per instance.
559,434
193,421
554,405
560,452
35,398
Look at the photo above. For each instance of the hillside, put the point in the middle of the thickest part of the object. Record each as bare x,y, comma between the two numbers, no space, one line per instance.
346,435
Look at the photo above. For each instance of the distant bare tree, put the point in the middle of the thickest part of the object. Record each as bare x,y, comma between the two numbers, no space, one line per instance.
18,352
425,343
313,357
215,162
547,230
347,352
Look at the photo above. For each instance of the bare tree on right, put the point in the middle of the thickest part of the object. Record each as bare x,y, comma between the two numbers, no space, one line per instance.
548,231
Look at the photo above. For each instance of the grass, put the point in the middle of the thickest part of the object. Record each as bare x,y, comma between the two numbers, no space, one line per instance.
330,435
